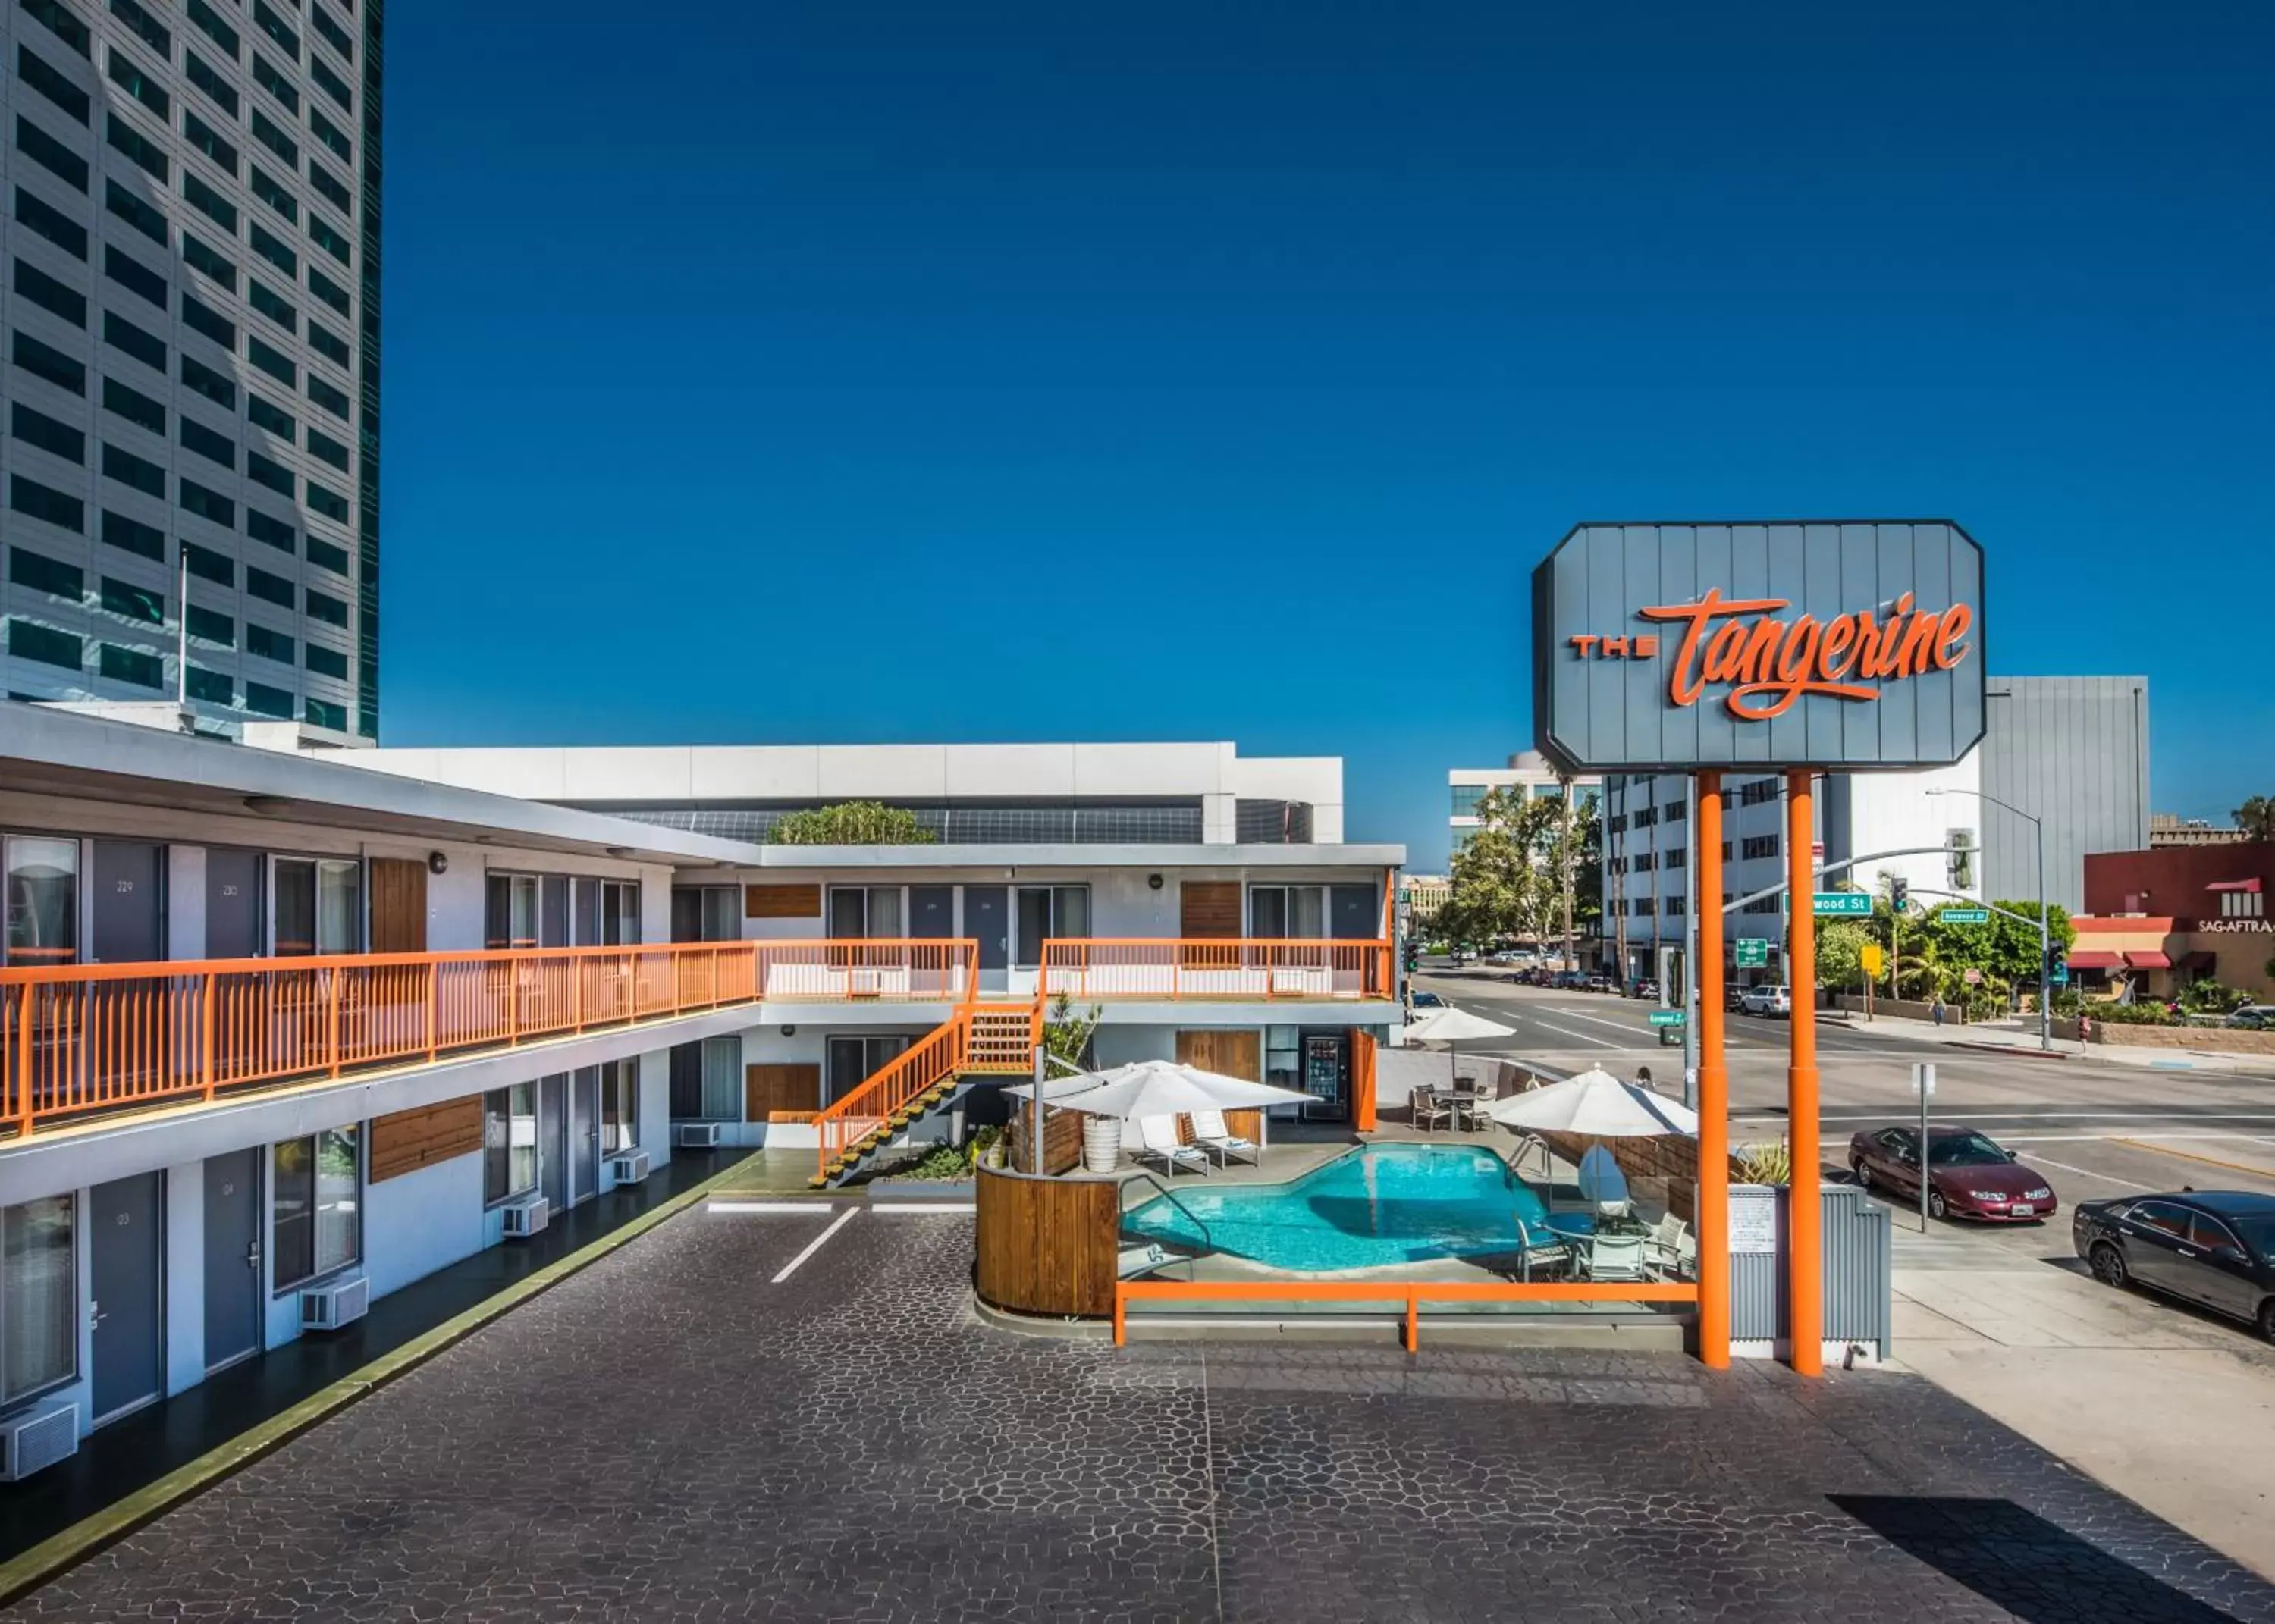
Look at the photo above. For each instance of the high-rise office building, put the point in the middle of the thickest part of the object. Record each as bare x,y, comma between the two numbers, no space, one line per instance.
190,314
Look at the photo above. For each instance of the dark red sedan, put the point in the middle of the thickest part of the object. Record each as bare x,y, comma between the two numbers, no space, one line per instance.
1968,1175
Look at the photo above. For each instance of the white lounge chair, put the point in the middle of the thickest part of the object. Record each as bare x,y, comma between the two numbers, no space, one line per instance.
1663,1246
1615,1257
1210,1134
1159,1134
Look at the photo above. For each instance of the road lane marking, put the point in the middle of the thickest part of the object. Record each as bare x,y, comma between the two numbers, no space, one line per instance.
815,1245
1589,1038
810,1209
2210,1161
2043,1161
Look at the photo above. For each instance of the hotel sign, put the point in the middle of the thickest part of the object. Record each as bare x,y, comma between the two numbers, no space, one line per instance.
1672,647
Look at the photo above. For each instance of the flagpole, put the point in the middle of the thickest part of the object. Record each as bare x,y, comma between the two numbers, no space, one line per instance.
182,636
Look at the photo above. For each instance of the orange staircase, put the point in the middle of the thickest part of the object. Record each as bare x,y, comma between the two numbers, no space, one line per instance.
994,1039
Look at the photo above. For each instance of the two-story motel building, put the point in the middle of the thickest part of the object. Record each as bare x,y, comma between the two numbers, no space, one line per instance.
284,1030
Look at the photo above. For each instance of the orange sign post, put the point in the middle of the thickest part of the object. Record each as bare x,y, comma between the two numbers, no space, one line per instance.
1804,1219
1714,1214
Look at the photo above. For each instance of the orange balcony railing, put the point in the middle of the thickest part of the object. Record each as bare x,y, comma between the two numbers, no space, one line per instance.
1246,969
81,1038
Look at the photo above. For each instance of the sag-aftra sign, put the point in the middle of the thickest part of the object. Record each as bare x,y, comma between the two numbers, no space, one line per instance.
1841,644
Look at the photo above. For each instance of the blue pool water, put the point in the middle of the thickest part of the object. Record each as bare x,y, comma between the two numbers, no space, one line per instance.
1385,1204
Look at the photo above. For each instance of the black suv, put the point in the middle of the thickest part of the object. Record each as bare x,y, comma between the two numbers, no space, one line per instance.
2213,1247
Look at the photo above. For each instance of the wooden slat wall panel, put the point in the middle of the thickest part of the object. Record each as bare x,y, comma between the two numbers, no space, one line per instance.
1047,1246
398,905
781,902
410,1140
781,1087
1235,1051
1208,908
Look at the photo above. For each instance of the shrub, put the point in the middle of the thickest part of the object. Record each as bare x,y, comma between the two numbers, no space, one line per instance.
2211,998
852,823
2132,1015
1766,1163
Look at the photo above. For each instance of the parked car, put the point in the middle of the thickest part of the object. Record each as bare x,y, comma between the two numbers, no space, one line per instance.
2212,1246
1428,1000
2254,1017
1765,1000
1642,986
1968,1175
1601,983
1570,981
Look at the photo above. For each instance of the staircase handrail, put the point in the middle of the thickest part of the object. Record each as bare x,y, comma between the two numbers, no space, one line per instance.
1141,1176
881,1095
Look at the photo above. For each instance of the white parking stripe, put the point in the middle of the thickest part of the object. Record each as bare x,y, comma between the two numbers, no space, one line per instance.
924,1206
790,1268
2101,1178
807,1209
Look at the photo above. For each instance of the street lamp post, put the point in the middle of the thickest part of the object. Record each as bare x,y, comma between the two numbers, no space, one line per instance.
2046,934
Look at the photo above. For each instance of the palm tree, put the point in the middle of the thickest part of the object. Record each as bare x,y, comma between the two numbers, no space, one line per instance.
2256,817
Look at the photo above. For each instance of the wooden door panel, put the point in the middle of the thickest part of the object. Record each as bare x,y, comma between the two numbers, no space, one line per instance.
782,1086
398,905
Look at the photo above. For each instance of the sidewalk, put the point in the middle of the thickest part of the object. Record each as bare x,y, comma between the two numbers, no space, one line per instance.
2021,1035
2170,1408
128,1455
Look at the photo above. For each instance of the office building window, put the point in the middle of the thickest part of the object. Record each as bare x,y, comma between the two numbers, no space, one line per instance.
35,500
217,89
133,536
132,405
270,303
139,473
265,132
42,900
38,1297
46,361
211,626
215,687
270,644
50,435
44,78
219,32
50,153
213,448
124,335
207,504
332,135
1466,797
207,141
209,565
316,1184
139,148
324,714
54,297
203,380
27,639
328,344
132,666
1759,846
271,78
262,700
327,661
133,602
62,22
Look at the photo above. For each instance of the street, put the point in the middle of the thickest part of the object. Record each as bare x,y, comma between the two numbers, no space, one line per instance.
2100,1127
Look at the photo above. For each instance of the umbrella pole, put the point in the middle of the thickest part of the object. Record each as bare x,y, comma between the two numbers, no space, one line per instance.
1035,1138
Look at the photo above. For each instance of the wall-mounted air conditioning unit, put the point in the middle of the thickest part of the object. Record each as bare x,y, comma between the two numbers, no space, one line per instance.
866,983
327,1308
37,1438
696,1136
525,1217
628,1167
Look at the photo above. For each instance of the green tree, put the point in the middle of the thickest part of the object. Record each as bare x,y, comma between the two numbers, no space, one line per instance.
1508,877
2256,817
852,823
1841,954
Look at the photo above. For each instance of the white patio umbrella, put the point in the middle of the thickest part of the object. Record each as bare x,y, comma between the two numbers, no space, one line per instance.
1448,1025
1159,1088
1598,1105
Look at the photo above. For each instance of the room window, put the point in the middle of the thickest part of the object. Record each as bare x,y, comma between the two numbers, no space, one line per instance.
42,900
133,406
1049,913
707,913
1759,846
35,500
1466,797
864,910
207,141
706,1080
50,153
268,135
39,1300
1281,913
511,912
606,912
46,361
56,438
509,1141
217,88
853,1061
318,1182
319,906
619,1106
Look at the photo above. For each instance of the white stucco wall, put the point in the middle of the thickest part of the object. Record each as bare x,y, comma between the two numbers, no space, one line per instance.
422,1221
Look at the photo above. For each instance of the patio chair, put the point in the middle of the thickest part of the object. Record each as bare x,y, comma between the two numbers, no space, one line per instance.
1211,1134
1616,1257
1542,1248
1160,1134
1430,1110
1662,1248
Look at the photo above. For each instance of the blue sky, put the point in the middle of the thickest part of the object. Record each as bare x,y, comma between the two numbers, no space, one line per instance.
838,371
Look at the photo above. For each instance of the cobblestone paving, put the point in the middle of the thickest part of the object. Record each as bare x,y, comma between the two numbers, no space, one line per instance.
667,1435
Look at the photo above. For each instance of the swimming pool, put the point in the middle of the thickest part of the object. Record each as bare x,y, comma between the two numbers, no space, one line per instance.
1377,1205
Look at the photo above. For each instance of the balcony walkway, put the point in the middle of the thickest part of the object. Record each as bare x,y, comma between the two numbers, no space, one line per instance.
129,1455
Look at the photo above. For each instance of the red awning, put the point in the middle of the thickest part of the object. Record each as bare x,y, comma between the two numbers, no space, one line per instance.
2094,958
2148,959
2234,885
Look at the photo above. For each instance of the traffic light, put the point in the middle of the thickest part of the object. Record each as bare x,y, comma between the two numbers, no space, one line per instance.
2057,965
1898,891
1958,860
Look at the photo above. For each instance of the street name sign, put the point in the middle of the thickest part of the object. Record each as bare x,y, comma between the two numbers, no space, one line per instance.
1966,916
1843,902
1667,1017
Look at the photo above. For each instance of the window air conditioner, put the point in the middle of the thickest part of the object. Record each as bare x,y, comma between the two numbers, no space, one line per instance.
696,1136
327,1308
525,1217
628,1167
867,982
37,1438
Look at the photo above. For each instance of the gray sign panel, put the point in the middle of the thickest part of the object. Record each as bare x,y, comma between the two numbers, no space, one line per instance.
1850,645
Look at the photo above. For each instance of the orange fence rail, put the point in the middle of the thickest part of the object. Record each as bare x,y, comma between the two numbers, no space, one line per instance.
76,1038
935,1059
1412,1294
1246,969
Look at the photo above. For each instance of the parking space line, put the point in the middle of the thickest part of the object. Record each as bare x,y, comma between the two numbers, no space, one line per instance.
809,1209
815,1245
2103,1178
924,1206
